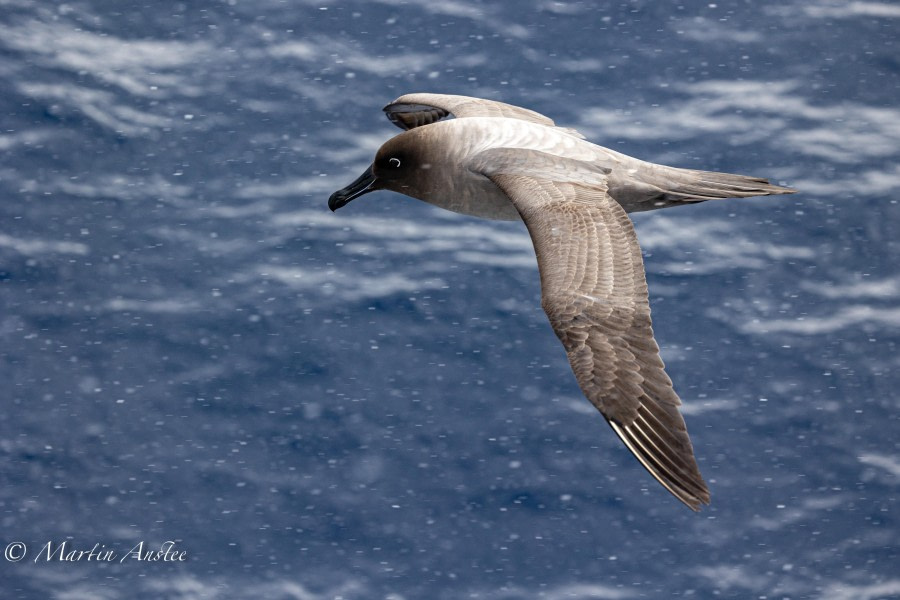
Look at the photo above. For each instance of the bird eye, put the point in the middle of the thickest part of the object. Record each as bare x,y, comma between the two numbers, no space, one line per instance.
394,162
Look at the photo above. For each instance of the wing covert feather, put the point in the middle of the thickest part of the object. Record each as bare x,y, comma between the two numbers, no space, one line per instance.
594,292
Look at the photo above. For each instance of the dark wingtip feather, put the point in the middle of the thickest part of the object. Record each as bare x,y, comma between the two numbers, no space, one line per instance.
675,469
408,116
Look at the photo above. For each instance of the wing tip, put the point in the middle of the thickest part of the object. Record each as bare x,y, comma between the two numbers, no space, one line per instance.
407,115
690,488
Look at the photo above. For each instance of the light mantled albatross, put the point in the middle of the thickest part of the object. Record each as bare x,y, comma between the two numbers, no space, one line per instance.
499,161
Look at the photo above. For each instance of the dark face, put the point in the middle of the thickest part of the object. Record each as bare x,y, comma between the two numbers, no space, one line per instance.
387,172
391,166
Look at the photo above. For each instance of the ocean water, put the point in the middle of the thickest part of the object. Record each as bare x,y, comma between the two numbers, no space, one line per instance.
371,404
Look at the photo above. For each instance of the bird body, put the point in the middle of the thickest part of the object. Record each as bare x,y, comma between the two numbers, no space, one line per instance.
499,161
456,183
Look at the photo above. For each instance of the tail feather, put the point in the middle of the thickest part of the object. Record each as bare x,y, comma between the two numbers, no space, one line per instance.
698,186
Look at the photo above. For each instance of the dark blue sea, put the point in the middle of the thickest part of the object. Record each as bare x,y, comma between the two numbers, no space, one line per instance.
196,354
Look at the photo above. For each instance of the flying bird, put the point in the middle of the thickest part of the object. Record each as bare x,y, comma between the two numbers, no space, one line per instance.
499,161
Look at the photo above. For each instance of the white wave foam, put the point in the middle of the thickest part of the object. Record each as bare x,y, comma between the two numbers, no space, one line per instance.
875,591
349,286
151,306
724,245
700,406
473,239
891,464
140,67
570,591
347,57
34,247
868,182
761,112
848,316
707,30
99,106
886,288
846,10
191,586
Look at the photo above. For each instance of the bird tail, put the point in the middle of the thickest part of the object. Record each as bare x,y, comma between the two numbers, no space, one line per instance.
687,185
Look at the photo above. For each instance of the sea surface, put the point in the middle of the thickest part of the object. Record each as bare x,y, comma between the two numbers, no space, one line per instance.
371,404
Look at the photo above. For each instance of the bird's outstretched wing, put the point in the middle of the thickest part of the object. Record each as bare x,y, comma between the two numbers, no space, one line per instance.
594,292
416,110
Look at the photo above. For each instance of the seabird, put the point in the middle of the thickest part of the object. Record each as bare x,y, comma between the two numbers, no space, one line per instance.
499,161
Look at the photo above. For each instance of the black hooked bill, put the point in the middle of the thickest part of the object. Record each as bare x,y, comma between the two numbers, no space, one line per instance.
356,189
